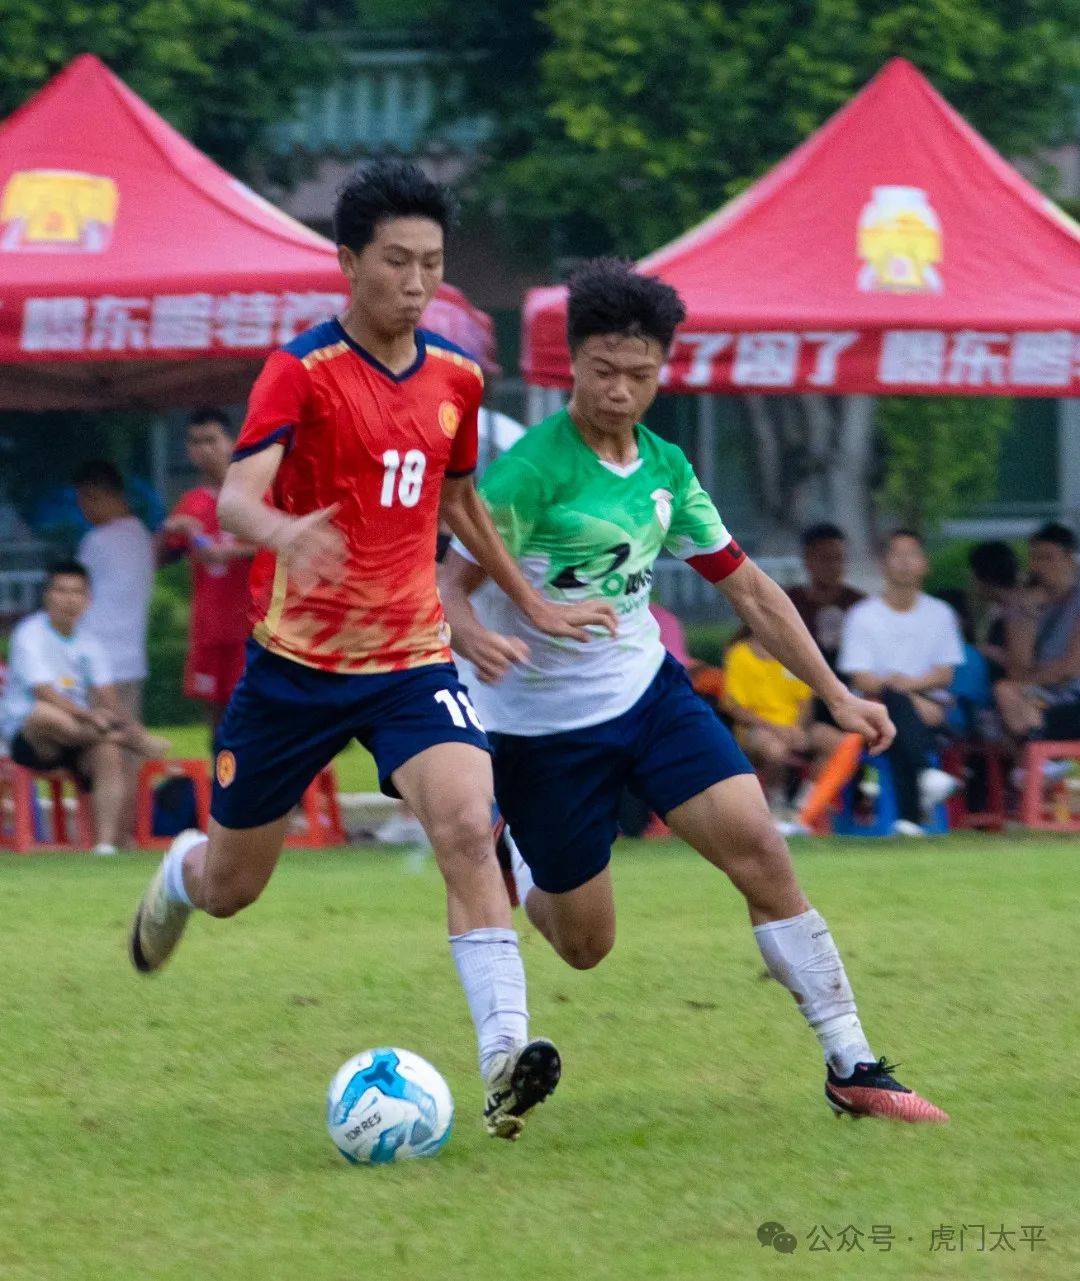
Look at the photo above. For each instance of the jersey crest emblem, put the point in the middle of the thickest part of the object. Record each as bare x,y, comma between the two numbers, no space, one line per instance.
662,498
449,418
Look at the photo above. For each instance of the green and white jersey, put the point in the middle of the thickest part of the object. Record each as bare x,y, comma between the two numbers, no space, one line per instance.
582,529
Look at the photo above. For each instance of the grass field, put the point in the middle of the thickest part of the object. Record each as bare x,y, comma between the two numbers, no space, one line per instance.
172,1129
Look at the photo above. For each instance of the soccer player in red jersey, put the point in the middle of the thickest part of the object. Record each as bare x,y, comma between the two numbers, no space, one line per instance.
359,434
220,568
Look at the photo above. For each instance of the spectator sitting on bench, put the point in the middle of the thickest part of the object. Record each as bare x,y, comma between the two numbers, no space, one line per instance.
971,696
903,647
1040,698
60,709
995,591
770,711
824,600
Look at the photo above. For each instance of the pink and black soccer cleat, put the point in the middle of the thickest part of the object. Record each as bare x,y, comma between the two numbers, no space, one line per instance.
871,1091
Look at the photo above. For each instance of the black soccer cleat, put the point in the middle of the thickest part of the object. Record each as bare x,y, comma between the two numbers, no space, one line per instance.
516,1083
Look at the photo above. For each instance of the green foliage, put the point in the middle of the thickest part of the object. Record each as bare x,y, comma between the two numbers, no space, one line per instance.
949,565
625,122
941,454
708,642
221,71
163,698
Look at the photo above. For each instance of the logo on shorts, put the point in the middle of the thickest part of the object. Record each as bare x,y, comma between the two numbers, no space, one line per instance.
226,768
449,418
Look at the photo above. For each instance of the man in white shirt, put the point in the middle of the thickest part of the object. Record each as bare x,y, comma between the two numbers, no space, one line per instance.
60,709
903,647
119,556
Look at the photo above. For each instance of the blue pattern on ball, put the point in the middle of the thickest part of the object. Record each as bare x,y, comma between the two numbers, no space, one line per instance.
382,1074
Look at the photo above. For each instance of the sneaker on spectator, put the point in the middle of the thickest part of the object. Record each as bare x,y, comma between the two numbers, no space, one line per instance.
905,827
935,786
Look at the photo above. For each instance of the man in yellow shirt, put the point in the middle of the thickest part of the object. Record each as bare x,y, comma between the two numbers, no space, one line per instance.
771,711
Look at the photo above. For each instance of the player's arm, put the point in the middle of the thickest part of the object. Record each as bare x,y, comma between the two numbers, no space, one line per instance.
490,653
467,516
766,609
313,549
311,545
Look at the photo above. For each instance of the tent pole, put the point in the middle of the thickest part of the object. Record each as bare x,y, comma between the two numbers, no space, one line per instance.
705,443
1069,457
159,457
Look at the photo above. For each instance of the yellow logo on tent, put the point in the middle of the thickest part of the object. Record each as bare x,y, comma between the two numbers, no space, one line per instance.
57,209
899,241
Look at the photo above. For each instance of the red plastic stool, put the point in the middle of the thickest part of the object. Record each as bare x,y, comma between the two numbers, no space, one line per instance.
955,760
1052,811
17,799
149,774
322,815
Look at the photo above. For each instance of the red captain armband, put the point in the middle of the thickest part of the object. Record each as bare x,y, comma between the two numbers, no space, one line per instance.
716,566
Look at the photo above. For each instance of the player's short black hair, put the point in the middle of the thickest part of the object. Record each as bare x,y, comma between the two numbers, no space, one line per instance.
607,296
387,188
823,531
98,473
905,532
62,568
994,562
209,415
1055,532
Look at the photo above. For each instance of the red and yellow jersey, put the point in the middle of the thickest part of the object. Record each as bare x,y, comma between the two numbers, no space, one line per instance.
378,444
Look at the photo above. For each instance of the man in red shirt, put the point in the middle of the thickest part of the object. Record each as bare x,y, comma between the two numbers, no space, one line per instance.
220,567
359,435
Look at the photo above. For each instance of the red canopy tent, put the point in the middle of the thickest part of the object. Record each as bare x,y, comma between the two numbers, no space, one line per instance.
136,272
892,252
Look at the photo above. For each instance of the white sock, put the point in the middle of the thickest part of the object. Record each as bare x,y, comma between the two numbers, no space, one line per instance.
174,870
800,954
490,969
523,881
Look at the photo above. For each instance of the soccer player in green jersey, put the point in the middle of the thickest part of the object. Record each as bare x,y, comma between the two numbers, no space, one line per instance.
585,502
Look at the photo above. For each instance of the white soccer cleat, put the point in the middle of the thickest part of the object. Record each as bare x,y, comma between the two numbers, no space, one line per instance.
516,1083
160,920
103,850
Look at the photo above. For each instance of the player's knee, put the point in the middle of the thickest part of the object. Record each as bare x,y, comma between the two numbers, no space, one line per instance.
224,898
586,951
464,836
760,858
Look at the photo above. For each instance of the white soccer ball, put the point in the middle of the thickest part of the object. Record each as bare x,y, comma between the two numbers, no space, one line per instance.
388,1105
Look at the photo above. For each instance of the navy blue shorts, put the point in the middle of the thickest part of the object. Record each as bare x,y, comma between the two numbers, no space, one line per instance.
286,722
560,793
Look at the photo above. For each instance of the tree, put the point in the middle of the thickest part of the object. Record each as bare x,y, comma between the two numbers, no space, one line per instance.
221,71
942,454
641,118
648,116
